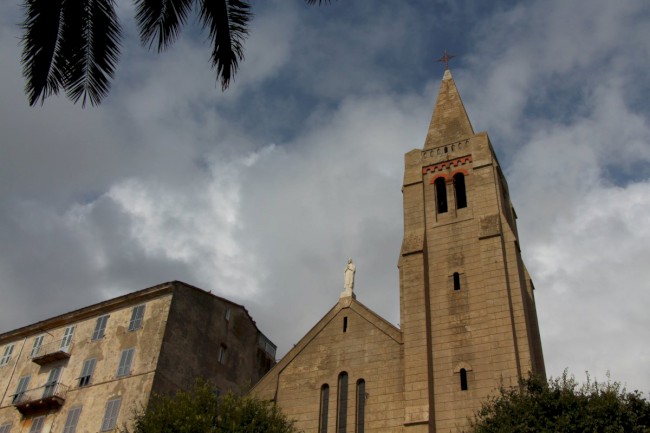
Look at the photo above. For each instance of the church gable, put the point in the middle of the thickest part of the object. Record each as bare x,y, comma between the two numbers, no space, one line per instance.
350,350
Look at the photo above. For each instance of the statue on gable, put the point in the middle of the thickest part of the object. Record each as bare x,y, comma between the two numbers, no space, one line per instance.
348,279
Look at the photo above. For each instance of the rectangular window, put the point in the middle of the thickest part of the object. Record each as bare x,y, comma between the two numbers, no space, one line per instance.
20,389
124,369
5,428
110,416
136,318
9,349
67,338
71,420
228,313
37,424
52,382
87,372
222,354
36,348
100,327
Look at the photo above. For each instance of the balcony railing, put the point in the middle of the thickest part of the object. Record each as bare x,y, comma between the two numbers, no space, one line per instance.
51,352
41,399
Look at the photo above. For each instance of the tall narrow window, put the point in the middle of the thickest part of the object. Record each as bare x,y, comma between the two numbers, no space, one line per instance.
136,318
361,405
67,338
228,313
345,324
441,195
222,354
124,369
111,413
36,348
5,428
463,379
37,424
100,327
456,281
342,409
72,420
87,372
9,349
52,382
324,407
459,187
20,389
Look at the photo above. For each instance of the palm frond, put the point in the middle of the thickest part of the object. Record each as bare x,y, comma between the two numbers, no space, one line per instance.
91,45
42,32
227,21
161,20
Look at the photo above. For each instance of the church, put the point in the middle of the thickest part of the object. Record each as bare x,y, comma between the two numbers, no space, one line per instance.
468,321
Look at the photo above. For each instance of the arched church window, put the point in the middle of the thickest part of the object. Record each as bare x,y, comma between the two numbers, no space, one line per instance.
324,406
342,408
459,188
463,379
456,281
441,195
361,405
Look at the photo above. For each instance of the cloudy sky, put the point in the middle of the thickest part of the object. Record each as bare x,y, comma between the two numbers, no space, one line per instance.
261,193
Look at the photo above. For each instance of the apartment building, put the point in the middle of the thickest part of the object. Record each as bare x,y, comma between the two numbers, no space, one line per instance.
86,370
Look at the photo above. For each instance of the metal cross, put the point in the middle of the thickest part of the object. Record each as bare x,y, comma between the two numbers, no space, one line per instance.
446,57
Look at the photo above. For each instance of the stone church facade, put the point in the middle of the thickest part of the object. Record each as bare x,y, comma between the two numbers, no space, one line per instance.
468,317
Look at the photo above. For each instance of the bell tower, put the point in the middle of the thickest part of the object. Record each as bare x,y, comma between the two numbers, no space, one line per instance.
467,307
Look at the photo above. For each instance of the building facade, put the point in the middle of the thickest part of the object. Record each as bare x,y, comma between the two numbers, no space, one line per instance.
85,371
467,309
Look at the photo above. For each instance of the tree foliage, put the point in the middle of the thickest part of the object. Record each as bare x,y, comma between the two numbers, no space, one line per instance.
74,45
562,405
199,410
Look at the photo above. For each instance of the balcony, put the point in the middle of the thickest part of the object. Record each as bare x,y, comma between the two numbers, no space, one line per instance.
51,352
44,398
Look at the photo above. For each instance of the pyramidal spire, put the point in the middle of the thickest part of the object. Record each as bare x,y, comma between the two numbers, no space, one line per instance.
449,122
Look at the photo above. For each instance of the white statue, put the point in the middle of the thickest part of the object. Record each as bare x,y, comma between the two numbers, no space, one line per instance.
348,278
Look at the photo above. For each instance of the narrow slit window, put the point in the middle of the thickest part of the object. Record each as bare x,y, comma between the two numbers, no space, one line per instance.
342,409
324,407
361,405
345,324
463,379
441,195
456,281
459,188
222,354
228,313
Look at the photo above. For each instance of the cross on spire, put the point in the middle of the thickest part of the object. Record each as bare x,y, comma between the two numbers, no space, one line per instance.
446,57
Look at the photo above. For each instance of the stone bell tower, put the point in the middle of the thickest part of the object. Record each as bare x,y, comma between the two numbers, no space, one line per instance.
467,306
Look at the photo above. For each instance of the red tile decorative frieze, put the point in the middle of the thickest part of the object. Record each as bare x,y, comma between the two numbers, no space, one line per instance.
447,164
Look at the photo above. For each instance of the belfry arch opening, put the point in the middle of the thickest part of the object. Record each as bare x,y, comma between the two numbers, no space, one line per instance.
441,194
459,189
